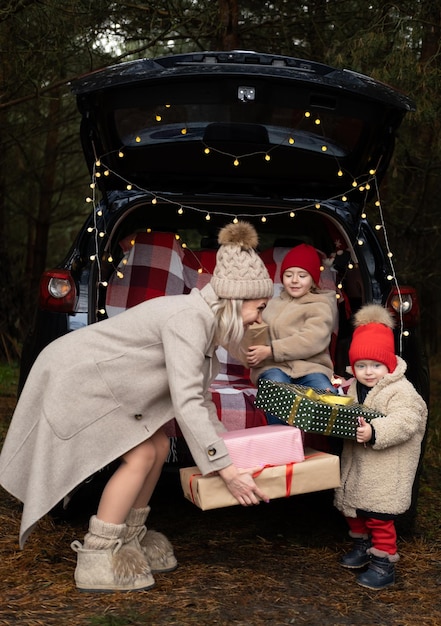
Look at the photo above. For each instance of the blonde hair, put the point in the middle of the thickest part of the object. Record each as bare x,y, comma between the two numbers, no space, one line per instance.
229,324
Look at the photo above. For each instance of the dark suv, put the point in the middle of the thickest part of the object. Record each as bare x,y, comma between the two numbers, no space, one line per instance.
180,145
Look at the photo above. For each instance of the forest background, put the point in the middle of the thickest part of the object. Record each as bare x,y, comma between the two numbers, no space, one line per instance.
43,177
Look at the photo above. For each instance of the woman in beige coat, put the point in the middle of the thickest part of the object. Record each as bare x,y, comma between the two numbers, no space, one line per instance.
106,391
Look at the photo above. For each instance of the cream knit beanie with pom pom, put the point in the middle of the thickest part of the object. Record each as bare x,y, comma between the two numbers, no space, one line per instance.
240,273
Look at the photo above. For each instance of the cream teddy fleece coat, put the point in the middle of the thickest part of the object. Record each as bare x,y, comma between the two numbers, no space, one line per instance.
379,478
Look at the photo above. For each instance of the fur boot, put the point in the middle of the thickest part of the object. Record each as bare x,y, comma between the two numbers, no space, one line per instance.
381,571
359,555
155,546
105,564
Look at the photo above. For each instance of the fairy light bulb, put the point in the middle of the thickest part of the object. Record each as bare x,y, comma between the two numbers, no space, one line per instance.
90,229
340,286
154,201
110,259
180,211
183,131
291,140
317,121
101,234
138,139
372,172
97,174
406,333
158,118
101,311
207,150
292,214
208,217
390,255
377,203
177,237
350,265
267,157
92,257
389,277
361,188
344,198
354,183
367,186
339,173
200,270
106,173
98,163
235,220
99,213
263,219
104,283
377,226
167,106
360,242
119,274
89,199
317,206
307,114
121,154
236,162
324,148
92,185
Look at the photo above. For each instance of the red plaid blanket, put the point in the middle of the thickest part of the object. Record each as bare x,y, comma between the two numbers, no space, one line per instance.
157,264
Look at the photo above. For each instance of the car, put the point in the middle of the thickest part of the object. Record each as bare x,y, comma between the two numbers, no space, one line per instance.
180,145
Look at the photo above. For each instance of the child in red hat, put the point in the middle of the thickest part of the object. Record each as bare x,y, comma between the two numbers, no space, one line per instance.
378,469
300,324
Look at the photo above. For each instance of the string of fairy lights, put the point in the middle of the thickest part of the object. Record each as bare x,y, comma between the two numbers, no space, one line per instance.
363,185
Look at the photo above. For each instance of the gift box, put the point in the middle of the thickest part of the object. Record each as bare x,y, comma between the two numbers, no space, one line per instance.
311,410
264,445
319,471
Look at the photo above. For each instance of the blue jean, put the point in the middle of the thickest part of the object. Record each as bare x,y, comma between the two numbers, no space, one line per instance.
316,381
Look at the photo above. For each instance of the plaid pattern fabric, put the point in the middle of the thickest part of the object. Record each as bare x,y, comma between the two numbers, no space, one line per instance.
156,264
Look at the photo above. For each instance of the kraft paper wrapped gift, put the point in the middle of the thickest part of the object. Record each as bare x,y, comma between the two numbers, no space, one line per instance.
319,471
311,410
264,445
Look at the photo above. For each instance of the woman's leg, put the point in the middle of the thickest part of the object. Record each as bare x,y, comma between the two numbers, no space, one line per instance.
132,484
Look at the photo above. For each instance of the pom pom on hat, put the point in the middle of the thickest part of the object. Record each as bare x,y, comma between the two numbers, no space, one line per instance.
305,257
373,338
240,273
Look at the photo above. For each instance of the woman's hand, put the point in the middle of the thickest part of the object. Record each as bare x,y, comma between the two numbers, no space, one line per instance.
364,431
241,485
256,354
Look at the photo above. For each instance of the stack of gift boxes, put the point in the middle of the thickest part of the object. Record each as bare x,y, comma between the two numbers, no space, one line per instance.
286,468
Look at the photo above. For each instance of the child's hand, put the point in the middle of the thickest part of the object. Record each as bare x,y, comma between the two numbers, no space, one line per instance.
364,431
257,354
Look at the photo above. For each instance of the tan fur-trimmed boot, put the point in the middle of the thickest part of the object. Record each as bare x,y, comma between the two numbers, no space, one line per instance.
155,546
106,564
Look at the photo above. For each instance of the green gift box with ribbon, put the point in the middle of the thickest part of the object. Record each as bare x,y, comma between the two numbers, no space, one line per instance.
313,411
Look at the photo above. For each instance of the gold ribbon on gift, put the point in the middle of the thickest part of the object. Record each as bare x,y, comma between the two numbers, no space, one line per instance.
325,398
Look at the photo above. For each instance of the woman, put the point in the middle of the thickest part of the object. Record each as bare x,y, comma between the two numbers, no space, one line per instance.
105,392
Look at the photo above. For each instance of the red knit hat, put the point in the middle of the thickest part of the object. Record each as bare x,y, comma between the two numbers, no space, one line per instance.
373,338
304,256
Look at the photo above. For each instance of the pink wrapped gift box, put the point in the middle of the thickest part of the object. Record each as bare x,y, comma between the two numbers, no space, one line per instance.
264,445
318,471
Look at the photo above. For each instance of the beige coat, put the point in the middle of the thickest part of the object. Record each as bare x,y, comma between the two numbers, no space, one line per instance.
379,478
97,392
300,332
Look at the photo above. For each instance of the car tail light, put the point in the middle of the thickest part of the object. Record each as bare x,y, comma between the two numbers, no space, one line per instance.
58,291
403,302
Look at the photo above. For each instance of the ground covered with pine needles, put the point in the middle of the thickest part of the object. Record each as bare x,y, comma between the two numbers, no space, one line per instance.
274,564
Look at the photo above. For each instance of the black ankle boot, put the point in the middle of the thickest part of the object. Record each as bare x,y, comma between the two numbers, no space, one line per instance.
358,556
379,575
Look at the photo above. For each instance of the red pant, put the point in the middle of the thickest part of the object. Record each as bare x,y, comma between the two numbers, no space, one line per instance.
382,532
